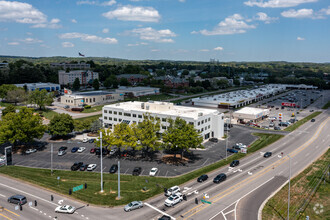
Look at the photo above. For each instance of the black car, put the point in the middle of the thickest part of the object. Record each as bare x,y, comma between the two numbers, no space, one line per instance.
165,217
202,178
104,151
214,140
313,120
267,154
137,171
83,167
113,168
63,148
221,177
277,128
76,166
91,140
17,199
234,163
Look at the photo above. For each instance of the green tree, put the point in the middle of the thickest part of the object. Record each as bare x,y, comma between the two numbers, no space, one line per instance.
61,125
124,82
222,83
236,82
41,98
96,126
79,125
76,84
111,81
17,95
96,84
147,133
181,136
21,127
9,109
5,88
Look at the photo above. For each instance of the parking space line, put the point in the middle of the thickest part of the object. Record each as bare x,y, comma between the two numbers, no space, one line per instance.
2,195
126,170
5,216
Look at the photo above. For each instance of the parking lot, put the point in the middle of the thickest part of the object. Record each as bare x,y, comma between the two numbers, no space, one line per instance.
197,158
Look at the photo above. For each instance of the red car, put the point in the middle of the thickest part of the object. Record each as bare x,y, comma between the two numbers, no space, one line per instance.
92,151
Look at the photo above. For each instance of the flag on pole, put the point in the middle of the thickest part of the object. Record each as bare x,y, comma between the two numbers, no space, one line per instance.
82,55
67,91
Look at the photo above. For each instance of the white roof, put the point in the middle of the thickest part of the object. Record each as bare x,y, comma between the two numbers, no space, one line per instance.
250,110
163,108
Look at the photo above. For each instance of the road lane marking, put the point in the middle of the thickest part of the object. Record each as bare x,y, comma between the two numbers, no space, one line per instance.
266,170
5,216
156,209
12,212
307,154
2,195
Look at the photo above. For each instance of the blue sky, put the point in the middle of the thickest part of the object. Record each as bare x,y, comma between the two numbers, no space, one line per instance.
225,30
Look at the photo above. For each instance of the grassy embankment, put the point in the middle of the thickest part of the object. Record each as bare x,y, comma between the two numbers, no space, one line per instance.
326,106
301,122
304,201
131,186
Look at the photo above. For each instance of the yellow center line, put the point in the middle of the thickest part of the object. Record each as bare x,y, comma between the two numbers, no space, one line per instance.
12,212
265,170
5,216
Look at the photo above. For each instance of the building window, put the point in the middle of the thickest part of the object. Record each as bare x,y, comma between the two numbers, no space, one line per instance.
199,123
191,123
110,112
120,120
115,119
163,119
127,114
110,118
93,99
205,128
105,117
120,113
110,126
105,111
164,127
202,129
140,116
209,126
115,112
209,119
134,115
202,121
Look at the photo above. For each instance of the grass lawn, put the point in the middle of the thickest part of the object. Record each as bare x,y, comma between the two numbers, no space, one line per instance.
302,187
131,186
93,109
301,122
92,118
326,106
49,114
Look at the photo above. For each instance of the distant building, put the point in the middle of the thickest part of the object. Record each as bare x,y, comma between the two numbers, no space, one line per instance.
132,78
40,86
251,114
173,82
138,91
84,76
65,66
90,98
209,122
4,65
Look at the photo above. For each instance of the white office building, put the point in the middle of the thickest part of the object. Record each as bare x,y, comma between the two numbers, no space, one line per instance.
209,122
84,76
138,91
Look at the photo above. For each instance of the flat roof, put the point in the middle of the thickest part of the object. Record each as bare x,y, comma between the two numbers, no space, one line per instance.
165,108
135,89
92,93
37,84
250,110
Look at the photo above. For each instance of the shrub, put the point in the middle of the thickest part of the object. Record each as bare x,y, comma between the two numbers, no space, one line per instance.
87,106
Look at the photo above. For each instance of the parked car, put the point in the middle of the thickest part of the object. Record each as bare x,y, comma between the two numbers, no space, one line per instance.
172,190
234,163
61,152
92,151
137,171
232,150
91,140
313,120
104,151
113,151
271,124
76,166
63,148
174,199
153,171
267,154
133,205
113,168
91,167
83,167
277,128
74,149
202,178
85,140
238,146
220,178
17,199
30,151
214,140
65,209
81,149
165,217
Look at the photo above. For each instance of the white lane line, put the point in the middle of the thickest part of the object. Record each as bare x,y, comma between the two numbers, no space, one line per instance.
50,216
2,195
26,193
236,207
307,154
233,210
295,163
126,170
45,213
34,208
205,161
147,204
223,215
317,146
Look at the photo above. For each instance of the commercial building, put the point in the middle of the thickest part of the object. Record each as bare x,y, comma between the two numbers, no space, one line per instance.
65,66
40,86
251,114
209,122
90,98
239,98
138,91
84,76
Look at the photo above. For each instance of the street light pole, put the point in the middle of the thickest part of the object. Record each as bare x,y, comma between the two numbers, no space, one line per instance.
289,188
227,137
118,179
101,155
51,159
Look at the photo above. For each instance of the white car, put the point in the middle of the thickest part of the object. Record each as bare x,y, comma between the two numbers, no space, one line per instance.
91,167
81,149
153,171
65,209
85,140
29,151
174,199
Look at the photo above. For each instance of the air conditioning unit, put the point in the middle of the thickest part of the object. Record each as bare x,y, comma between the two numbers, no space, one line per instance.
200,114
142,105
147,107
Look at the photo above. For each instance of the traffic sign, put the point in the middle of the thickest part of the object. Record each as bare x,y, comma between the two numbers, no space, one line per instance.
204,201
78,188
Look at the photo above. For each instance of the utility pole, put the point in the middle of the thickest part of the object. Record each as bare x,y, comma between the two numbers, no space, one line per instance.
101,155
288,218
51,159
118,179
227,137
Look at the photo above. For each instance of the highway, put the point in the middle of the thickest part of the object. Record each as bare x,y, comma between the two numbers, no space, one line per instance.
239,197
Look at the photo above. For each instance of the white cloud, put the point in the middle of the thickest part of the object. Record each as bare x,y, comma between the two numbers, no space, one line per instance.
234,24
155,50
277,3
204,50
74,21
132,13
13,43
98,3
21,13
182,0
326,11
67,44
218,48
88,38
31,40
300,38
150,34
301,13
105,30
261,16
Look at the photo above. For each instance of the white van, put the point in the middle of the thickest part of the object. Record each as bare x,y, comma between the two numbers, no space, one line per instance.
172,190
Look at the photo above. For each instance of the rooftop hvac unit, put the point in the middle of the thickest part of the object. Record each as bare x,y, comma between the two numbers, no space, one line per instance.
200,114
147,107
142,105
